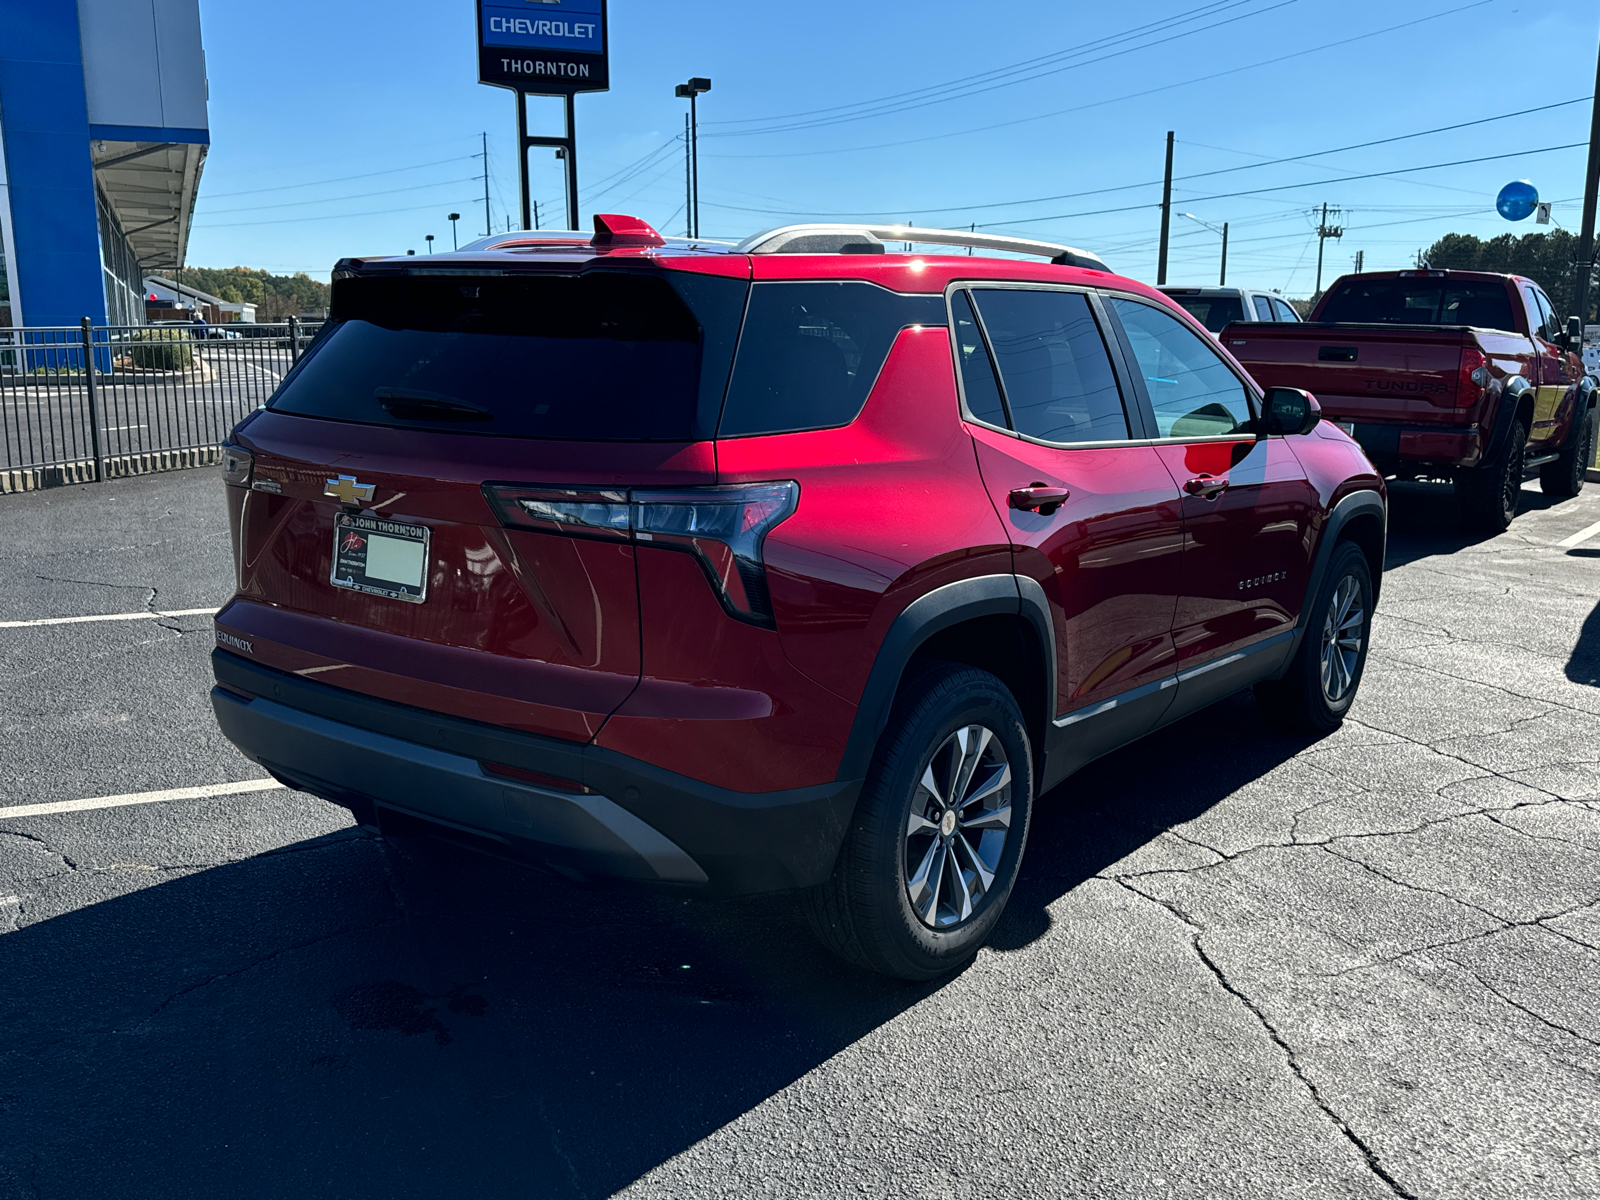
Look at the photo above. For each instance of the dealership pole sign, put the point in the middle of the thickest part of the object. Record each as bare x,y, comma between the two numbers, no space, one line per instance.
543,47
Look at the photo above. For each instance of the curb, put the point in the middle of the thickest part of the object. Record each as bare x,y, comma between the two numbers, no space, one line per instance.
32,479
1592,474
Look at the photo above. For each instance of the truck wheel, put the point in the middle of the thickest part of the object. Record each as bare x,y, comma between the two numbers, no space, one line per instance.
1488,495
1316,691
938,832
1565,476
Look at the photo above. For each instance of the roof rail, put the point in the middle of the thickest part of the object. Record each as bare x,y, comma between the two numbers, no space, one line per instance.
868,239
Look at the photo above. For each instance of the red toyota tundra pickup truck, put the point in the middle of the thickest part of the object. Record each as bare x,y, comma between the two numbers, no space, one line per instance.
1450,375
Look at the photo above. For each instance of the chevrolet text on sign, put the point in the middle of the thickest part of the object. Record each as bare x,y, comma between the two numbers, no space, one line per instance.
556,46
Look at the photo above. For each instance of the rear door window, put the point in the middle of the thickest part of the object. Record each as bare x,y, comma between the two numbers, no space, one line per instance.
977,371
602,356
1263,308
810,353
1058,381
1192,391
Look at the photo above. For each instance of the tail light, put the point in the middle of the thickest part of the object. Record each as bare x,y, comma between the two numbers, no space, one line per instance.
722,527
237,463
1473,379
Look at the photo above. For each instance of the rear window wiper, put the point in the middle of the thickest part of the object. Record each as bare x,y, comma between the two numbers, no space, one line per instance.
428,406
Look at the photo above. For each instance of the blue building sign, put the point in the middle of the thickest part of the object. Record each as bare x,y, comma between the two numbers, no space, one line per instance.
547,47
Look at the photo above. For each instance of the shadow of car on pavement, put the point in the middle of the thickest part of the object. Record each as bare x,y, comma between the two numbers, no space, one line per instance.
352,1017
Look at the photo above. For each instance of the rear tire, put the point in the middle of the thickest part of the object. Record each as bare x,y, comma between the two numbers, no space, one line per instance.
933,850
1565,476
1489,495
1321,683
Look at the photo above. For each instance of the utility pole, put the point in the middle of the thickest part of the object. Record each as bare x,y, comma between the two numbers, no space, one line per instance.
1359,255
488,221
1223,277
1324,232
1591,184
1166,216
536,215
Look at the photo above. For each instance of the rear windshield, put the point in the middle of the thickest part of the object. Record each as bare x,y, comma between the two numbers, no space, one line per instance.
1419,302
603,356
1213,311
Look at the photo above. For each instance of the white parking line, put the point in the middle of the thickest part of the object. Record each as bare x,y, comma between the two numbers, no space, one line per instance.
1583,535
189,793
133,616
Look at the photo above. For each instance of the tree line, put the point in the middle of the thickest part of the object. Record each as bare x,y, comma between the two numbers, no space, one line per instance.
276,297
1545,258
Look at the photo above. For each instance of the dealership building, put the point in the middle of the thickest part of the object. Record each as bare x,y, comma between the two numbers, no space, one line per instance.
103,134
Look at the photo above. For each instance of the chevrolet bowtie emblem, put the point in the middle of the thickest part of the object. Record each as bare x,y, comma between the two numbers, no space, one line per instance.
347,489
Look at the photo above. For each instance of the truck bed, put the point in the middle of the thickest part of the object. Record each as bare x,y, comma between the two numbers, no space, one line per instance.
1378,372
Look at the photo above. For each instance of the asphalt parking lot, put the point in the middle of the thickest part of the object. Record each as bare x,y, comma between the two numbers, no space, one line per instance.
1239,964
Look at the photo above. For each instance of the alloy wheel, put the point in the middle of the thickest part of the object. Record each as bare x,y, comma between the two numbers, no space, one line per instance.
1343,627
957,828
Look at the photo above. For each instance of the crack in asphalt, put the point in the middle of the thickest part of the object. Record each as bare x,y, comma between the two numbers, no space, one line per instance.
252,965
1368,1155
1523,1008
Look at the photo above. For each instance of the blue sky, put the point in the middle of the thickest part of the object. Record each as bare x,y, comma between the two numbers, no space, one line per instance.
350,127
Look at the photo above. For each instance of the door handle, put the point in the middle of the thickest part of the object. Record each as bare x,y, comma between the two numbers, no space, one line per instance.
1038,497
1205,487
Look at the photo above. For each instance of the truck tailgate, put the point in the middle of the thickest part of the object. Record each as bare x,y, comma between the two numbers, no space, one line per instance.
1360,372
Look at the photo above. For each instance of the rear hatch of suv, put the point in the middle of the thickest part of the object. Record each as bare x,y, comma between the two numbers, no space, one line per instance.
393,503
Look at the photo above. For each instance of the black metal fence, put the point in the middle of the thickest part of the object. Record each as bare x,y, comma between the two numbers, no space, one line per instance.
97,402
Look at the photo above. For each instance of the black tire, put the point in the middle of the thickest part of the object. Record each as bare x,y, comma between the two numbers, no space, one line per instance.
866,912
1488,495
1304,699
1565,476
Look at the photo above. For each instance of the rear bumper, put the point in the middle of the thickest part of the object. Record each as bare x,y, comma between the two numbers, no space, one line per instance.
1390,445
392,764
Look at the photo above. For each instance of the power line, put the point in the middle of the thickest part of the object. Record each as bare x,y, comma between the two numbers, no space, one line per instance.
965,79
340,179
1460,162
934,137
377,212
335,199
965,91
1101,191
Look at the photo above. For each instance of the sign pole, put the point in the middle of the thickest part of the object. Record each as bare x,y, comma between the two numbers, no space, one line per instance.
572,162
522,155
561,54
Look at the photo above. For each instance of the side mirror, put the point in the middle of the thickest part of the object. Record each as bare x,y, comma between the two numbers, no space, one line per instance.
1572,339
1287,410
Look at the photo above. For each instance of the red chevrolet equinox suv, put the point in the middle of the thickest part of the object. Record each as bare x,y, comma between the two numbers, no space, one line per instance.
796,564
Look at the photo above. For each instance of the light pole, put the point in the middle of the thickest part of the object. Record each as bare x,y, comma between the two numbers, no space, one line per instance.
690,91
1222,276
454,217
429,238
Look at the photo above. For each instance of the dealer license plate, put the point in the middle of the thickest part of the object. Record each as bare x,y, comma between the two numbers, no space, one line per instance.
381,558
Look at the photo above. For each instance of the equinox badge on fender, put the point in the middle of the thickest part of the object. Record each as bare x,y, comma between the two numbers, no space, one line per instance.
348,489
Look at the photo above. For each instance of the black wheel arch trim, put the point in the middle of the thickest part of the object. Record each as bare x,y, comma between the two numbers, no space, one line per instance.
1511,393
932,613
1366,502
